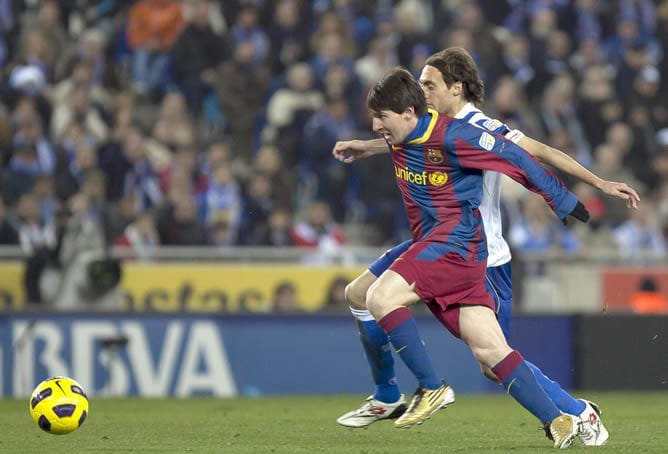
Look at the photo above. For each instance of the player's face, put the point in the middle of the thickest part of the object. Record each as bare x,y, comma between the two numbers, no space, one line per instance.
392,126
439,97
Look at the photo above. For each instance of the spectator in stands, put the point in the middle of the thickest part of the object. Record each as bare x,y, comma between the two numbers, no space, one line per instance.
284,298
141,238
184,163
647,90
46,19
268,161
152,28
634,158
321,132
122,213
279,232
241,84
195,55
246,30
539,232
598,108
37,54
596,235
38,241
258,203
330,51
554,61
608,163
177,220
29,131
640,238
288,110
510,106
557,112
379,60
99,210
318,230
8,234
335,299
287,35
78,108
660,160
81,244
70,173
515,60
80,75
43,190
588,55
90,50
408,33
220,204
139,176
216,153
173,127
18,177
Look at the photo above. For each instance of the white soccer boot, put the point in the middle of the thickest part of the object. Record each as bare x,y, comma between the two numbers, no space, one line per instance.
592,431
373,410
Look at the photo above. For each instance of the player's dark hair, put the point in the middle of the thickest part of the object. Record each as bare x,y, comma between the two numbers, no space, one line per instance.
397,91
456,65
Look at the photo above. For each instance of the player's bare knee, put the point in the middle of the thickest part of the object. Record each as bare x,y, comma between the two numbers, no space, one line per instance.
489,355
377,299
355,296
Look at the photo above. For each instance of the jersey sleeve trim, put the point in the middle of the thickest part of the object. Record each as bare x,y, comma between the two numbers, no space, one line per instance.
514,136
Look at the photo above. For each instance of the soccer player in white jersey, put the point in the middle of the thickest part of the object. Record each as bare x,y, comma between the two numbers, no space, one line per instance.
452,86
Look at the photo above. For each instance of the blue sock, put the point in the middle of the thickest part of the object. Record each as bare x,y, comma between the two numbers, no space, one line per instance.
521,383
402,330
564,401
381,362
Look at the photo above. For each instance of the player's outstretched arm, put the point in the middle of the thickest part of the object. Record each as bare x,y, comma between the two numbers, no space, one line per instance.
351,150
560,160
479,149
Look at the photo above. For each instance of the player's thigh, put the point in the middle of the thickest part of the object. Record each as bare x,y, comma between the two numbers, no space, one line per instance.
481,331
357,289
390,292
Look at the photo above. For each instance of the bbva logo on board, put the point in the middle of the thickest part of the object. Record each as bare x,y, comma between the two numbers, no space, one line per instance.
161,358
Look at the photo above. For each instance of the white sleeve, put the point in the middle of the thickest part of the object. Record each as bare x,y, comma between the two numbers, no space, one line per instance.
514,136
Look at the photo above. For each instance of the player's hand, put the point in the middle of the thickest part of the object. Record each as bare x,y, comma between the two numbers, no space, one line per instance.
623,191
351,150
579,212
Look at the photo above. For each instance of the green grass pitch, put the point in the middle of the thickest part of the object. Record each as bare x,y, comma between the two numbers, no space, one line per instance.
638,423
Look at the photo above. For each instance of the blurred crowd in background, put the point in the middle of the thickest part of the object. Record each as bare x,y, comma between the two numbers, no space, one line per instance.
201,122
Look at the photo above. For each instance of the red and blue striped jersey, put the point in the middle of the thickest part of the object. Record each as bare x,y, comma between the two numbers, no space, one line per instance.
439,173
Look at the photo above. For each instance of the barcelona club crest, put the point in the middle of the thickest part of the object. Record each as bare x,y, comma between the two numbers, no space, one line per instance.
434,155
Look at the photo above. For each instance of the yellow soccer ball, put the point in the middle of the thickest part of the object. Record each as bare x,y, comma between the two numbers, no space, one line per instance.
59,405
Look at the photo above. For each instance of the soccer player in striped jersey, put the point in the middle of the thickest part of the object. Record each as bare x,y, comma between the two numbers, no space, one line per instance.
451,84
438,163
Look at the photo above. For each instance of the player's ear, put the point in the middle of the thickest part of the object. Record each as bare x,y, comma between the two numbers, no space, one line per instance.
408,113
457,88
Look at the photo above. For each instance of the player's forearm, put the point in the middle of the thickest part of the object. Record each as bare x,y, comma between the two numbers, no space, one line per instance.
376,146
560,160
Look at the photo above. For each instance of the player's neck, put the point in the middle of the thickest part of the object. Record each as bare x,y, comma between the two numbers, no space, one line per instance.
456,108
